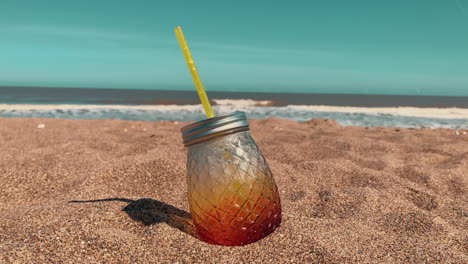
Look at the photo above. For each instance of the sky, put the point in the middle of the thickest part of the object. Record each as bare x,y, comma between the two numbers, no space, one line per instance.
365,47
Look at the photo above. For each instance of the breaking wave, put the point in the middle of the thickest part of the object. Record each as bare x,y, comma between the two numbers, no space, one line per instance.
407,117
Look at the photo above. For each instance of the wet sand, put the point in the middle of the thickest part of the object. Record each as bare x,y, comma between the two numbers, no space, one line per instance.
113,191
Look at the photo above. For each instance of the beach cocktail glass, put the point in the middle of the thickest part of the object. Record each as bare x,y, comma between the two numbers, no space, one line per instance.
233,197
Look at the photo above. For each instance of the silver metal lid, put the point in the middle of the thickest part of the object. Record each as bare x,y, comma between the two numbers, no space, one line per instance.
219,125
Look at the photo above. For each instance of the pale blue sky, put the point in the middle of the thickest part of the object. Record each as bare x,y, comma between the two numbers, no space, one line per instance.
384,47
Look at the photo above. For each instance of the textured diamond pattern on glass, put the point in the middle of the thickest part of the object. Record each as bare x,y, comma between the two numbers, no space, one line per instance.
232,194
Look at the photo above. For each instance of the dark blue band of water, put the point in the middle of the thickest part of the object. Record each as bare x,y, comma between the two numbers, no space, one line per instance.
44,95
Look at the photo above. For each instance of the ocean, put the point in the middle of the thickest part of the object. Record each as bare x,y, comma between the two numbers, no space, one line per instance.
155,105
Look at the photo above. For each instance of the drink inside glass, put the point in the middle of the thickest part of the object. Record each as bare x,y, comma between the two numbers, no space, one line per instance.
232,194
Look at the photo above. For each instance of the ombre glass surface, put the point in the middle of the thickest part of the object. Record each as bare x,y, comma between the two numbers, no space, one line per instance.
232,194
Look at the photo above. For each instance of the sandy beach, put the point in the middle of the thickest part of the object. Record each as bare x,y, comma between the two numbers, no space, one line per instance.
112,191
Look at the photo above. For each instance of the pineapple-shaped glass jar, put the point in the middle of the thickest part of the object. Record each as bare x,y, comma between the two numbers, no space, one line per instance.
232,194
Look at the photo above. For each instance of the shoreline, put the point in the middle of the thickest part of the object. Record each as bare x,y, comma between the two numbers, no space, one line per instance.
404,117
315,121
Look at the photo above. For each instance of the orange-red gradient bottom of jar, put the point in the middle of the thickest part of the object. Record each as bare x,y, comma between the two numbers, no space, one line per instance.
239,216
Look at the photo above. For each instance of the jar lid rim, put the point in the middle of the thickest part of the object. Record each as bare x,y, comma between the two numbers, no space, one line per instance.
213,125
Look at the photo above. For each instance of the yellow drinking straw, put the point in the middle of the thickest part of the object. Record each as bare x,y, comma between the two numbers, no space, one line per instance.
193,70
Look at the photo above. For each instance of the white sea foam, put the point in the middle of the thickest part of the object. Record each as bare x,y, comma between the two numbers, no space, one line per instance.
232,105
398,111
356,116
243,102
